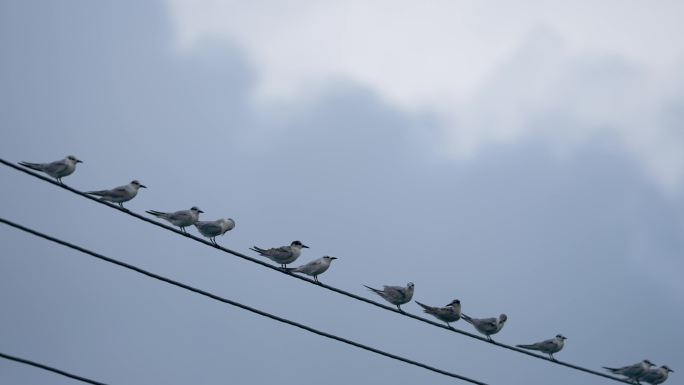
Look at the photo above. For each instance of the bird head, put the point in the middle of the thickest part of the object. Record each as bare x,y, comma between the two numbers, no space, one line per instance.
503,318
74,159
560,336
196,209
137,184
667,369
299,244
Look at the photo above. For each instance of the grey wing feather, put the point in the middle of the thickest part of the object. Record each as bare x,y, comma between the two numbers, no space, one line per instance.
34,166
211,227
396,292
55,167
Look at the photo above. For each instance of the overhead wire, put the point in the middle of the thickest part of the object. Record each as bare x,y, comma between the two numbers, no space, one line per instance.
237,304
303,278
50,369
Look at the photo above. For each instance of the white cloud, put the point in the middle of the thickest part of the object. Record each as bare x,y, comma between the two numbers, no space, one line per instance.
493,70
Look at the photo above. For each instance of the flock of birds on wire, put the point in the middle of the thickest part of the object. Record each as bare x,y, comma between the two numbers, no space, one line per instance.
284,255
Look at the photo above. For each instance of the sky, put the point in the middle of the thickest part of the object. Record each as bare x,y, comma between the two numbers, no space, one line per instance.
525,159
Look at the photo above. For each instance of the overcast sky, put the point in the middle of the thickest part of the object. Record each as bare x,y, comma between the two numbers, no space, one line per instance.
525,159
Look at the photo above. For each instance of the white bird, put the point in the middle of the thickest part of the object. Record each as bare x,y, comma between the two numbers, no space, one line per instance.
396,295
656,376
119,194
487,326
57,169
633,372
283,255
449,313
212,229
550,346
315,267
182,218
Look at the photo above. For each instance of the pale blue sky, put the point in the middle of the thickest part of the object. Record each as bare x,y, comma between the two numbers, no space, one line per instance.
553,193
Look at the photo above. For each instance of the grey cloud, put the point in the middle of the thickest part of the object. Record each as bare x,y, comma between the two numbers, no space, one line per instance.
552,241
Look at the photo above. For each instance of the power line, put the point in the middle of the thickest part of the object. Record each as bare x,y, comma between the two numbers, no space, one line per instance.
303,278
237,304
50,369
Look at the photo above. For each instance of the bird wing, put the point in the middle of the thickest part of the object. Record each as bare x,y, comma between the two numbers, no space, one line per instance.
310,267
279,252
489,324
210,227
183,215
55,167
396,292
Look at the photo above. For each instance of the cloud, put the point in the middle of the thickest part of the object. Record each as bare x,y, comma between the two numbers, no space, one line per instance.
544,70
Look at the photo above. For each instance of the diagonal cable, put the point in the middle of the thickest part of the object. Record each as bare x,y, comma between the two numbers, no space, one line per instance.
303,278
50,369
237,304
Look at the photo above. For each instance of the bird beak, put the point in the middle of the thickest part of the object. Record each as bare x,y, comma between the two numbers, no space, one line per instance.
200,211
305,246
79,161
143,186
333,257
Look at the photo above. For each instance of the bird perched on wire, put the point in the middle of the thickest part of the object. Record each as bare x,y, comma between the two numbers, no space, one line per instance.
212,229
656,376
449,313
182,218
57,169
487,326
283,255
396,295
119,194
550,346
315,267
633,372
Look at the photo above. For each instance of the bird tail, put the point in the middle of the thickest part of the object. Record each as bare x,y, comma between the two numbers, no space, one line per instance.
32,166
373,290
258,250
527,347
98,192
466,318
425,307
611,369
156,213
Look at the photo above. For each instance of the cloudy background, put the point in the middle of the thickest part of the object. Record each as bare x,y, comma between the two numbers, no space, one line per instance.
525,159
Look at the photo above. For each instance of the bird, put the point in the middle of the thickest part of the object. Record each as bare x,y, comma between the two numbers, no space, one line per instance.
315,267
550,346
57,169
656,376
283,255
633,372
212,229
487,326
396,295
182,218
449,313
119,194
